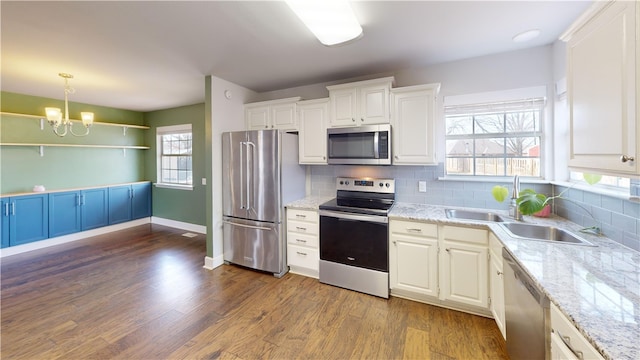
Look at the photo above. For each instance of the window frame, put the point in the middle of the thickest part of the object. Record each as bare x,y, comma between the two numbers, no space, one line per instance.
494,106
162,131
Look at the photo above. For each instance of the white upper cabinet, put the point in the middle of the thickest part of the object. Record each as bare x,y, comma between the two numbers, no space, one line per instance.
602,75
413,112
313,116
276,114
360,103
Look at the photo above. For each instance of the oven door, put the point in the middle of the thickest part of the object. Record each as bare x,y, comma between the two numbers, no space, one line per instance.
354,239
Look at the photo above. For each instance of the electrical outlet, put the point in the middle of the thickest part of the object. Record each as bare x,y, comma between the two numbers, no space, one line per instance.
422,186
204,181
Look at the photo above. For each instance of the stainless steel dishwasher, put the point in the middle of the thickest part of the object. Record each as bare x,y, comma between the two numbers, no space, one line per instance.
526,313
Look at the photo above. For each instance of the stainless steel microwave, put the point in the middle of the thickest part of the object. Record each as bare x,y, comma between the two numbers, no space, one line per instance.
362,145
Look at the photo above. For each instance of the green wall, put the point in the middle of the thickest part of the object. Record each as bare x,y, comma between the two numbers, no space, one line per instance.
66,167
176,204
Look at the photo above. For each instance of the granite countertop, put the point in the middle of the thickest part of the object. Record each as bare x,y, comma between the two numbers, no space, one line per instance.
308,203
596,287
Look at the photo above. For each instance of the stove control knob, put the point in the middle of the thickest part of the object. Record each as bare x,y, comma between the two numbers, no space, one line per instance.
381,184
388,185
346,182
341,182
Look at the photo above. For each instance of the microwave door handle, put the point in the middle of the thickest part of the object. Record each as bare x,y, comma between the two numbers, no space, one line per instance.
376,146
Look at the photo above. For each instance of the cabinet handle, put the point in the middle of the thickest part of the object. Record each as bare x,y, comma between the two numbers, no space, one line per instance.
301,228
497,272
353,119
567,341
396,157
13,208
362,119
324,158
625,158
301,216
414,230
301,253
272,126
302,241
447,250
394,242
6,209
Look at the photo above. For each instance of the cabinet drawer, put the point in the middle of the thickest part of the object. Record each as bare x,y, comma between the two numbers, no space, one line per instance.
302,227
302,215
561,327
413,228
303,257
475,236
295,238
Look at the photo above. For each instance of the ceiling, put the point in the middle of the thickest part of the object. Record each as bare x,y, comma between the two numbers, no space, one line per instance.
150,55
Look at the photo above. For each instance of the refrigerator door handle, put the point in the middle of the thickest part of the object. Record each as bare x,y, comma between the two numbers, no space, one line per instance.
251,148
246,226
242,143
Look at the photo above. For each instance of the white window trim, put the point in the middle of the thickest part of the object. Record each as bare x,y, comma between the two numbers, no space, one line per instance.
163,130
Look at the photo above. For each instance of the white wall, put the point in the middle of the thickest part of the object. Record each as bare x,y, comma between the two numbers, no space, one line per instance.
226,115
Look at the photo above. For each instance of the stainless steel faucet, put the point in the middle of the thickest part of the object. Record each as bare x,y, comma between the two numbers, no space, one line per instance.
514,212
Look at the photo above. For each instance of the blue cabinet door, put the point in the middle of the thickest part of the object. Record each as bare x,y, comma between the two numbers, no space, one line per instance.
4,221
141,201
119,204
64,213
28,219
95,208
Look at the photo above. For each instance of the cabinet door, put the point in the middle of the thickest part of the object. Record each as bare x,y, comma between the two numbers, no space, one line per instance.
29,219
343,107
257,117
464,273
602,99
141,200
312,140
496,286
283,117
95,208
373,103
5,205
119,204
64,213
413,264
413,127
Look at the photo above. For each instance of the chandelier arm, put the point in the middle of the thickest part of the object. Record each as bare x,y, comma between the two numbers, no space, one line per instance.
55,130
78,135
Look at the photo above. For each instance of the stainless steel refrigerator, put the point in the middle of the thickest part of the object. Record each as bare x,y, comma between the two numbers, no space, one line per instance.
260,175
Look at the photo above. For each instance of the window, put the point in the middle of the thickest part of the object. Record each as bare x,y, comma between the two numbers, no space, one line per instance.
174,156
494,139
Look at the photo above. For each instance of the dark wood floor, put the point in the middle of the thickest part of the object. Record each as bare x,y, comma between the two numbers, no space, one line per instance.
142,293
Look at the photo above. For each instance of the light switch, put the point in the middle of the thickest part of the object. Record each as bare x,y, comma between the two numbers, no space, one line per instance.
422,186
204,181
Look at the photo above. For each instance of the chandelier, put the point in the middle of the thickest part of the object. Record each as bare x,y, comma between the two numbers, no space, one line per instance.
54,115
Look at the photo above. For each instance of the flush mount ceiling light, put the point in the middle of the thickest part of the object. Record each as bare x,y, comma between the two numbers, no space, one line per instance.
331,21
54,115
526,35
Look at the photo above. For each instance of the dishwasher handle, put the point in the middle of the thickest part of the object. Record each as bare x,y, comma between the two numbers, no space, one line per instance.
524,279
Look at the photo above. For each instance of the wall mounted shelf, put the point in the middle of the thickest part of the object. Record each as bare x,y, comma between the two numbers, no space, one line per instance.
79,121
42,146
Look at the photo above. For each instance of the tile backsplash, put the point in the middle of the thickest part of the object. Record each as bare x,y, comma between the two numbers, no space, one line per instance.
619,219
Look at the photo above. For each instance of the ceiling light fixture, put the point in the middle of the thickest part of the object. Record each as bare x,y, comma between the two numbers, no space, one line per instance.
331,21
54,115
526,35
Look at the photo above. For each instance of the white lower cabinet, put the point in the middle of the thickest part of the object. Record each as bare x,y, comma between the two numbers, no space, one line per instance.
496,284
464,263
303,255
413,258
566,340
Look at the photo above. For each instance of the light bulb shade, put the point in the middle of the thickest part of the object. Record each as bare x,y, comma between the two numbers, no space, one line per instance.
54,115
87,118
331,21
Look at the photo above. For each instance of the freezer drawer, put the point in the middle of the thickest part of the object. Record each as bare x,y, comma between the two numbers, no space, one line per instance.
254,244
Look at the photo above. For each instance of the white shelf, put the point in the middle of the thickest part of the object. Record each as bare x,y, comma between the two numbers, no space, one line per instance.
80,146
80,121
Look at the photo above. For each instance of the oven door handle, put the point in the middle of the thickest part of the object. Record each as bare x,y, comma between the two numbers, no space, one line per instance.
355,217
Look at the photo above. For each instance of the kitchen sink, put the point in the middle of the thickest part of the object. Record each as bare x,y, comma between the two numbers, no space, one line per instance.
473,215
543,233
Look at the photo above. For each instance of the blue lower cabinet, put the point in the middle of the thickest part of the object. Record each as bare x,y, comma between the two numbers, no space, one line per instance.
141,202
28,218
119,204
4,221
64,213
94,208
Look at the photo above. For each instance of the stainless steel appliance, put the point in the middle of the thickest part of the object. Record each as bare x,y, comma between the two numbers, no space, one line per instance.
526,313
361,145
354,244
260,175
